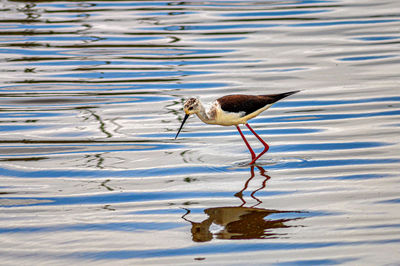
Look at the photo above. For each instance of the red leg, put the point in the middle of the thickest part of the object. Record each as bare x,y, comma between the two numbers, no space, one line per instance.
266,147
253,155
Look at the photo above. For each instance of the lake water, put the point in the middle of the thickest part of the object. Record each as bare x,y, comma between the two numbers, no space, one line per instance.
91,98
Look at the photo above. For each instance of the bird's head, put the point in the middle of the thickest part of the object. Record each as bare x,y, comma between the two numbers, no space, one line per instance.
191,106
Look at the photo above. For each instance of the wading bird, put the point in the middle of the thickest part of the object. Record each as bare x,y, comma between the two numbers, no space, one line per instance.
233,110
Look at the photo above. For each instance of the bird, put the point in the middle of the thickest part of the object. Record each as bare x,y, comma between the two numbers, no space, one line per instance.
234,110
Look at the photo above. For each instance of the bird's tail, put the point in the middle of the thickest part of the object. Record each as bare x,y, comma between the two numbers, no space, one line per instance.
286,94
277,97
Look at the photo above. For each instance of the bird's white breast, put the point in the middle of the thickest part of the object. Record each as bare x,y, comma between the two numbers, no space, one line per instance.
215,115
232,118
224,118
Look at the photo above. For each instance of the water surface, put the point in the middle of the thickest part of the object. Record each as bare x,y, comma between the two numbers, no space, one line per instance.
91,98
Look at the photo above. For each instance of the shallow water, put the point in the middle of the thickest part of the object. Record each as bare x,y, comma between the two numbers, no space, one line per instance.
91,98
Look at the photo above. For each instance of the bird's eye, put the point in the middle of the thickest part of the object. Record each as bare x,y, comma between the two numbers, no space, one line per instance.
191,108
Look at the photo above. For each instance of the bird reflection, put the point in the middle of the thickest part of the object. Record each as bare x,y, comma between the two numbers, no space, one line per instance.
241,222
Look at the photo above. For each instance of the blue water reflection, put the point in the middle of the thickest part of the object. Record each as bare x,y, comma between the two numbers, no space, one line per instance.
345,22
126,227
91,97
113,198
153,172
225,249
327,117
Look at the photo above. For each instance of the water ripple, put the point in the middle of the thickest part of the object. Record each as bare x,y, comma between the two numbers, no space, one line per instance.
91,98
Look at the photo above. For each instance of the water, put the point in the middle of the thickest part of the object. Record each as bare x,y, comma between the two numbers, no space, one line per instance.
91,98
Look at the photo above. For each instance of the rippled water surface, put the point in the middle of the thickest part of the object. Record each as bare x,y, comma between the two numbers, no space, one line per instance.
91,96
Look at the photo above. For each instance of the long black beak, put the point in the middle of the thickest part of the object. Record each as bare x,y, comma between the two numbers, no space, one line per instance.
183,122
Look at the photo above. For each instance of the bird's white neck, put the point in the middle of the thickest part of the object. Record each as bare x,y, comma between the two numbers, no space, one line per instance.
205,116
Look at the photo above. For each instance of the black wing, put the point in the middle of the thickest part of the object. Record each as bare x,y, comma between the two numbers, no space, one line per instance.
249,103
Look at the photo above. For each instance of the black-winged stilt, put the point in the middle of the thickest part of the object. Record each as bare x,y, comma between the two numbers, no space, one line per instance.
233,110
